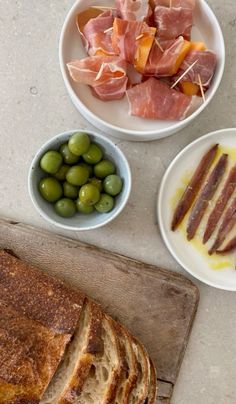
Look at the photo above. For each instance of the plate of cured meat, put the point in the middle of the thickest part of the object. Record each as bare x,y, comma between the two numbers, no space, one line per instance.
197,209
141,70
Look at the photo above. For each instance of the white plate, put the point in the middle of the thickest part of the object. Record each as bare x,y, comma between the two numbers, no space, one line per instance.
195,261
112,117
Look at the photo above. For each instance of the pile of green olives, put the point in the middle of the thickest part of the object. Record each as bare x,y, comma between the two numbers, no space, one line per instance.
79,178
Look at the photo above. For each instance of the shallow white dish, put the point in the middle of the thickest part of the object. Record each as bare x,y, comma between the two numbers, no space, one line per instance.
80,221
197,264
112,117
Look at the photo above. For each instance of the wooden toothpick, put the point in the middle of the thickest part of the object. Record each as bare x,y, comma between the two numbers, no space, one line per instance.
108,30
104,7
159,45
201,88
170,3
139,37
184,73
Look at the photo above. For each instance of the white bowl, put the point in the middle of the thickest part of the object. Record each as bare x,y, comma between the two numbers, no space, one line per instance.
112,117
80,221
217,271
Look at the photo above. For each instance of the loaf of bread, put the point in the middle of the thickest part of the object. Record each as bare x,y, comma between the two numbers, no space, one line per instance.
58,347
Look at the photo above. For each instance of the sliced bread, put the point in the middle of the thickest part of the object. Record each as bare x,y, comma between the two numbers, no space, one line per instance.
69,378
30,354
38,296
152,389
140,391
129,372
101,383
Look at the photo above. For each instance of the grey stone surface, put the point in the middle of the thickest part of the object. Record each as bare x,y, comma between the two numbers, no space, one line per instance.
35,106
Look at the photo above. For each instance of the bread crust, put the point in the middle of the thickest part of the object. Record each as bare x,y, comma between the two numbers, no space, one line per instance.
143,371
152,395
94,347
111,393
38,296
30,354
129,374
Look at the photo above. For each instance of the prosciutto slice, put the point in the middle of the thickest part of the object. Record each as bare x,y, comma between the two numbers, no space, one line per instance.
163,63
174,3
173,22
125,37
96,38
82,19
106,75
133,76
205,67
133,10
154,99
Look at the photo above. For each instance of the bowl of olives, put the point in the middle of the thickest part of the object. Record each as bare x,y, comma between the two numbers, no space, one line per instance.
79,180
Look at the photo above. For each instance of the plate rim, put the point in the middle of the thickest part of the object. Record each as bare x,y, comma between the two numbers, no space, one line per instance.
157,133
164,235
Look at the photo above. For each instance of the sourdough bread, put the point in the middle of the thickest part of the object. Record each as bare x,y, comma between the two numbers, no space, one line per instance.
152,390
140,391
73,371
29,356
129,372
38,296
101,383
39,315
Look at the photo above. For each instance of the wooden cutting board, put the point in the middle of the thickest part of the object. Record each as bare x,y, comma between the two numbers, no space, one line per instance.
157,305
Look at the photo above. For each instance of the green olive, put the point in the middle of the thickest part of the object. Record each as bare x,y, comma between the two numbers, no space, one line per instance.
70,191
83,208
50,189
51,162
93,155
112,184
79,143
89,167
65,207
61,173
96,182
69,158
89,194
104,168
77,175
105,204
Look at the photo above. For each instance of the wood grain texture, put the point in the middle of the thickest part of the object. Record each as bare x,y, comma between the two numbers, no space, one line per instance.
156,305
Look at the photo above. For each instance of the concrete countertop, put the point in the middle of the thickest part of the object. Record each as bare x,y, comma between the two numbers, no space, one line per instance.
35,106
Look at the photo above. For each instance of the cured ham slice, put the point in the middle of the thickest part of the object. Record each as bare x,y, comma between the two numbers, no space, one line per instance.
99,41
205,196
172,22
220,205
101,44
205,67
154,99
133,10
133,76
128,38
83,18
174,3
193,187
166,63
227,224
106,75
